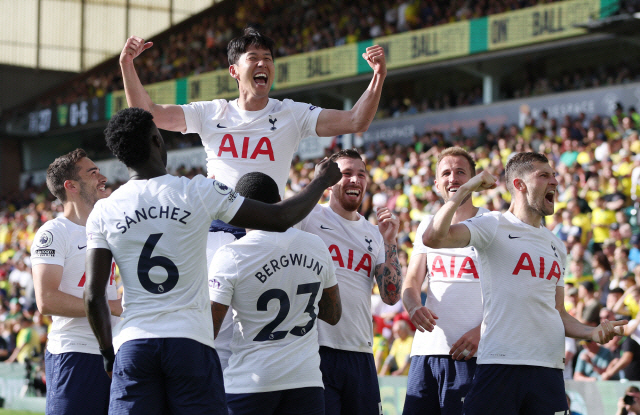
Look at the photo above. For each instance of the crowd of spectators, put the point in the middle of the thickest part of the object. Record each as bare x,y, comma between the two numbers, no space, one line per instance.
597,207
598,165
310,25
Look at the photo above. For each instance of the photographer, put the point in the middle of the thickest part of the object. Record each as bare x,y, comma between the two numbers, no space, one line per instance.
630,402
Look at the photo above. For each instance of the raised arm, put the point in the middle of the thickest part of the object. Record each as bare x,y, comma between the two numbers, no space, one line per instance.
98,268
167,117
604,332
357,119
279,217
52,301
330,305
388,275
440,233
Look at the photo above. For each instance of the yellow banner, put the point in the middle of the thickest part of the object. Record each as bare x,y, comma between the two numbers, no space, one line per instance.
162,92
312,67
426,45
211,85
540,23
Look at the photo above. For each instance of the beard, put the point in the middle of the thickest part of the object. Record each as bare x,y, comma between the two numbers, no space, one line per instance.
350,205
538,206
87,196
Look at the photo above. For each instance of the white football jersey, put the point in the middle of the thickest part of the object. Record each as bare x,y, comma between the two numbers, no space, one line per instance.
274,282
157,232
215,240
62,242
238,141
521,268
454,294
356,247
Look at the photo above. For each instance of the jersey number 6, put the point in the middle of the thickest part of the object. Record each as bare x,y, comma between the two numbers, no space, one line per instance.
146,262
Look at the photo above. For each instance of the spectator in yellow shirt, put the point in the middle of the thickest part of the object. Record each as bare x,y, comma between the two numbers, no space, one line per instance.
399,358
27,342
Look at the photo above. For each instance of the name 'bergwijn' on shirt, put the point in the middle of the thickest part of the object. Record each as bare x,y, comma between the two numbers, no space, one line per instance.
153,212
299,260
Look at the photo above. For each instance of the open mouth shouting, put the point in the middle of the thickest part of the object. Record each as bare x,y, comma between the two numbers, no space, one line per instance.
548,197
261,79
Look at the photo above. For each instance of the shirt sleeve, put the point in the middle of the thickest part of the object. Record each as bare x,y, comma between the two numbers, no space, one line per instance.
49,246
331,278
223,274
95,235
483,230
418,246
194,113
216,198
306,116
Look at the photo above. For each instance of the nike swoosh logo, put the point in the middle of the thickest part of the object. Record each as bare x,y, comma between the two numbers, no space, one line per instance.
324,227
221,126
514,237
81,247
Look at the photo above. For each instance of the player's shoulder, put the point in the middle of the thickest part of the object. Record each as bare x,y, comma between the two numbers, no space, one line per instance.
319,211
57,231
306,239
557,242
58,224
212,104
45,235
424,223
289,104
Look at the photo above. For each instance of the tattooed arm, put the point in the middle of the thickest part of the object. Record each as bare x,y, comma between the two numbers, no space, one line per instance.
389,274
330,306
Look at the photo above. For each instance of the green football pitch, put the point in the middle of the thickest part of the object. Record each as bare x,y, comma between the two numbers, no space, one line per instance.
16,412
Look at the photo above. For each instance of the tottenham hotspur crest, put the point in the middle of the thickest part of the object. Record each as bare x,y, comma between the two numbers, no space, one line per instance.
369,242
273,122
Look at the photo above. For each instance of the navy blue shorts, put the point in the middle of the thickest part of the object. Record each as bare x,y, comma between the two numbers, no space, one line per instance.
438,385
350,382
167,376
516,389
300,401
76,384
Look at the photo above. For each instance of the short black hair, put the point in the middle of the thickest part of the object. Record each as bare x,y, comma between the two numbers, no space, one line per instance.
128,135
62,169
589,286
250,37
616,290
520,165
258,186
350,153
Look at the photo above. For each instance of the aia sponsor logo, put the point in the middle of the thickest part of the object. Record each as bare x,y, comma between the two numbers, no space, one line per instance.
362,264
527,266
230,146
